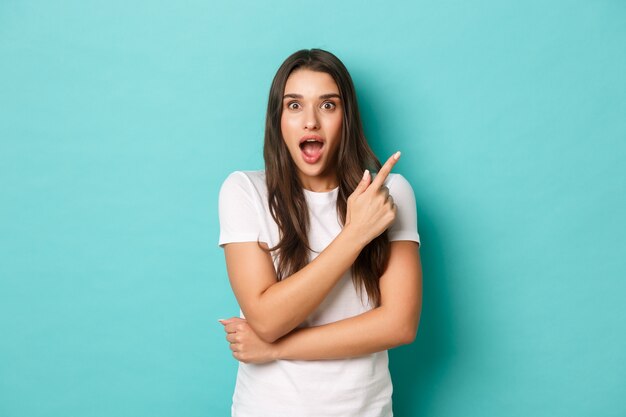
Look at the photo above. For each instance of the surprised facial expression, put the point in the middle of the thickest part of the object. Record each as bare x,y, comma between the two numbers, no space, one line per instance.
311,122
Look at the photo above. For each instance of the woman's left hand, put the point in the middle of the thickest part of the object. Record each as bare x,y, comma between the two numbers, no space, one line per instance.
246,345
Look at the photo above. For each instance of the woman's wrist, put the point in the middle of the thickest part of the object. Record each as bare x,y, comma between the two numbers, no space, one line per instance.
354,237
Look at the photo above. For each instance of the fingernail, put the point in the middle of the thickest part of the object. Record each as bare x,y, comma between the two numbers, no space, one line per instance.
396,155
365,174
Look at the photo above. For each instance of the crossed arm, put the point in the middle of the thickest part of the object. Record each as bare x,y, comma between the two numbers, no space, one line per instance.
391,324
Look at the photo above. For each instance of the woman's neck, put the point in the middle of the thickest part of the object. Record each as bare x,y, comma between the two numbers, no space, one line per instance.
320,185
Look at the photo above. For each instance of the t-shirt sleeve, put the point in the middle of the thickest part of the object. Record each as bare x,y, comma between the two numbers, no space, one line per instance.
405,225
238,210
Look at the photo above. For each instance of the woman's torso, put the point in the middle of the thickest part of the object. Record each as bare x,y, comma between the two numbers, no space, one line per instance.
347,387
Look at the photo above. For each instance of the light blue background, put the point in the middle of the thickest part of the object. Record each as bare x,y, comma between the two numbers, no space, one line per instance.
119,121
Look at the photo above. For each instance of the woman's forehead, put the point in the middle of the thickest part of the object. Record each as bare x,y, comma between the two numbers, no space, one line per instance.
306,82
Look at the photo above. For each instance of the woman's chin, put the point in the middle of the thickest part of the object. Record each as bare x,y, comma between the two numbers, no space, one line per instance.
311,168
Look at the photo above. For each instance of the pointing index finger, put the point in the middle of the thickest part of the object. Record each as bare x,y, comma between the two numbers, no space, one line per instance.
384,171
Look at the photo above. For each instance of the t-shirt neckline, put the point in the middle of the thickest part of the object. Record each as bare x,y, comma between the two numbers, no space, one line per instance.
321,197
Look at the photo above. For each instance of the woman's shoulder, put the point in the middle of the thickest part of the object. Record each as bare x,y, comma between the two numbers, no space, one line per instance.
400,189
245,181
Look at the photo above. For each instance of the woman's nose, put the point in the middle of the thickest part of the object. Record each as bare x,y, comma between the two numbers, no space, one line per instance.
310,121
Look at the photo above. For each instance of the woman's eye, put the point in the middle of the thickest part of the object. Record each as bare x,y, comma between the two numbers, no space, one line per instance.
294,105
328,105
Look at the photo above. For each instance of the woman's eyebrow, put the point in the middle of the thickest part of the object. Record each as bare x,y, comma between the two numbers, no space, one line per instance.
323,96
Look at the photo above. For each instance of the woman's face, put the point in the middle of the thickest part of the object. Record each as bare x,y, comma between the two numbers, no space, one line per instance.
311,127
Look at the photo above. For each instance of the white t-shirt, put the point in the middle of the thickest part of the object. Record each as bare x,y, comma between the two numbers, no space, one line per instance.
287,388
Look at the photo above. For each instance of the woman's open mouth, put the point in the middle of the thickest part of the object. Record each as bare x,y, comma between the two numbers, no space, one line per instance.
311,147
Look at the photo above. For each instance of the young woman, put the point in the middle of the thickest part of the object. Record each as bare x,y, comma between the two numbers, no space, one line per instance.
323,257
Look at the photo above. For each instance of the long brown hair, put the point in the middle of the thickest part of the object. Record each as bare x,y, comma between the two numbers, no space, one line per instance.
285,196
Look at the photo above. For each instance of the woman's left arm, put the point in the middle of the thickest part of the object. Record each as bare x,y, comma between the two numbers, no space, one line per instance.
392,324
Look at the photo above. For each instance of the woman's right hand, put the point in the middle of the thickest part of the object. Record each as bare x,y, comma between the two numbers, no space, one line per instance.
370,208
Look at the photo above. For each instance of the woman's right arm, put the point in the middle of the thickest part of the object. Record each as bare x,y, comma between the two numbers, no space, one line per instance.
274,308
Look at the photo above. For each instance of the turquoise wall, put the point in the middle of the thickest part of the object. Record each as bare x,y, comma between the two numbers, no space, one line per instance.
119,121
